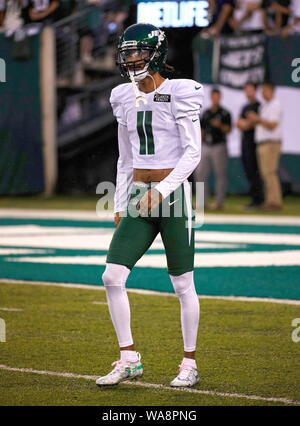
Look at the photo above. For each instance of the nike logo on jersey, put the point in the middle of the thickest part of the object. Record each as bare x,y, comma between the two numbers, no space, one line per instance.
173,202
197,88
194,120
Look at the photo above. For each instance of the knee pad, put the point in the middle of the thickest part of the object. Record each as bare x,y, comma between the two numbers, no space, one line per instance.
183,283
115,275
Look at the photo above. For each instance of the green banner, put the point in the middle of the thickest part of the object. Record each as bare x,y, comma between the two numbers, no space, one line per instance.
234,60
21,165
241,60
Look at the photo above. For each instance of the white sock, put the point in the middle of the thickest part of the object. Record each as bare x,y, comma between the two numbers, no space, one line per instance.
114,279
190,310
129,356
189,361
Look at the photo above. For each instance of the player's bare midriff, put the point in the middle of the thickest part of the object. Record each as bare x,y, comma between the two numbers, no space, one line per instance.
150,175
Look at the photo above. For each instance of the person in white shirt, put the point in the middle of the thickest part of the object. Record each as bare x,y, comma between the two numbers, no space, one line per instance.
247,16
268,136
159,139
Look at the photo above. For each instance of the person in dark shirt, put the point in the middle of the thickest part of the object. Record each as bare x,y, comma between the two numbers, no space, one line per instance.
275,15
215,124
2,11
221,13
248,157
42,11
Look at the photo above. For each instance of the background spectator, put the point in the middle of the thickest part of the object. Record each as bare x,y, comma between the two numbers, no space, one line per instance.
275,15
221,11
294,20
215,124
2,10
12,15
43,11
247,16
268,138
249,159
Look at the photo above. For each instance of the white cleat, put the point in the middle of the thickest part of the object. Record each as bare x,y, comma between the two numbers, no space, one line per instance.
188,376
124,370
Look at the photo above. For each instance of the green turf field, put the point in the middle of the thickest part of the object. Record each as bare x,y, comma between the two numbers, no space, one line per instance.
244,348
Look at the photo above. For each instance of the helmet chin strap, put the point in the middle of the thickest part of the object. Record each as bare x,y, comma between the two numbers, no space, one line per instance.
134,81
138,96
149,75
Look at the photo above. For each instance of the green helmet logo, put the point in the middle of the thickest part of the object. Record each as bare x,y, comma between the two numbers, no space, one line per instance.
146,42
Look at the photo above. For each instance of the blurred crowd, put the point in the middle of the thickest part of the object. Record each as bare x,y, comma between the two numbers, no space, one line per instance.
269,16
225,16
14,14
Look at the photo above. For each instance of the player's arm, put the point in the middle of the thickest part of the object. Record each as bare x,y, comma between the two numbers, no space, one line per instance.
187,115
124,173
125,161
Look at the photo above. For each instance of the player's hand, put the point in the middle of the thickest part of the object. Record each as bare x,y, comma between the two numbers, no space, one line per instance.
118,216
149,202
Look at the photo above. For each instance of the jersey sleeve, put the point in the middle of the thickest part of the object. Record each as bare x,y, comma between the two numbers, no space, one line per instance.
188,96
124,170
116,104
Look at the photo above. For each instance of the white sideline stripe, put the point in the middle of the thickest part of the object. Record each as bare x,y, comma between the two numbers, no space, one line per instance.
99,303
11,309
108,215
151,292
202,260
13,251
100,238
154,385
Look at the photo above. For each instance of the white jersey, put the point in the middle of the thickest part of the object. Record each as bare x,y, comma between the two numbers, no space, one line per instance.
164,133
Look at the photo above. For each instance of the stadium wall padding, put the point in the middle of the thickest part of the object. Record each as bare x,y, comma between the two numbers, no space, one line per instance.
21,161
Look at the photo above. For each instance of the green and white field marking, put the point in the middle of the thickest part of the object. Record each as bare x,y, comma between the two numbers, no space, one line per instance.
257,256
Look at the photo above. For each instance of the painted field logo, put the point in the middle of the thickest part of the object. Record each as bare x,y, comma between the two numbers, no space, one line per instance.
296,332
296,72
2,71
2,331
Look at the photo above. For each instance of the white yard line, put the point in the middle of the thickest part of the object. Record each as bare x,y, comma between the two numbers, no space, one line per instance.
152,292
155,386
100,238
202,260
108,215
11,309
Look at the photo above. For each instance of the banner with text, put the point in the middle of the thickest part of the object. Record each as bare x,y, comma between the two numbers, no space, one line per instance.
241,59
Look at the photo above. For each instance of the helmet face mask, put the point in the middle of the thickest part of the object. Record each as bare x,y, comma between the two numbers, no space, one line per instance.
135,60
141,47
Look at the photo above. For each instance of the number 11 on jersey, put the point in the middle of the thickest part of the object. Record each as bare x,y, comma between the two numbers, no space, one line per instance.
144,129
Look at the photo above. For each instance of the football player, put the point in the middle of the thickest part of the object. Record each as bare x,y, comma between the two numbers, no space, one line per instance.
159,142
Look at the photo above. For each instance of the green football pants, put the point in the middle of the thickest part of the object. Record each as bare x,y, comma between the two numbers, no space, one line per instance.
173,218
